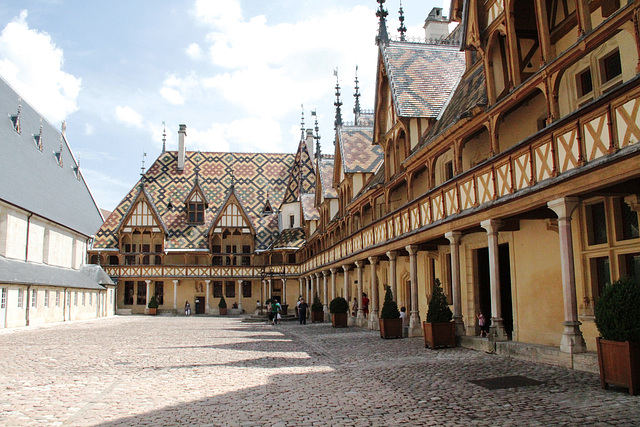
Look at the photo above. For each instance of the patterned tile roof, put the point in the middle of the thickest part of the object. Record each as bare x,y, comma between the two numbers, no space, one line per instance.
422,76
325,169
252,174
303,177
469,93
357,151
308,207
291,238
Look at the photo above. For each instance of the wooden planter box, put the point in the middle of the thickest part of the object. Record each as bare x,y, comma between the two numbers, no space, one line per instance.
223,311
619,364
439,334
339,320
153,311
390,328
317,316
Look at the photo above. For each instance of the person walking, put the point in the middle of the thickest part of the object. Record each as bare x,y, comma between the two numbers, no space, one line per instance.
187,309
302,312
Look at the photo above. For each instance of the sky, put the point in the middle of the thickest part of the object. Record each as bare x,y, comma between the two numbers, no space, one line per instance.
238,73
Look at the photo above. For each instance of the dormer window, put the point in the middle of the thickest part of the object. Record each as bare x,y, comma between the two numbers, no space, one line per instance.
195,209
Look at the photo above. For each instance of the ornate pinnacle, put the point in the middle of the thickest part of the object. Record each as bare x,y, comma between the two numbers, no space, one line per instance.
401,29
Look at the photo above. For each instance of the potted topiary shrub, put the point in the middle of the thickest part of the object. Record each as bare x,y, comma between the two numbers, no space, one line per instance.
439,330
153,305
618,321
390,321
317,314
339,307
222,306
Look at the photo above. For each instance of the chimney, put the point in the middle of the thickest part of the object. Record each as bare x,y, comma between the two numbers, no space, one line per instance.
436,26
309,142
181,151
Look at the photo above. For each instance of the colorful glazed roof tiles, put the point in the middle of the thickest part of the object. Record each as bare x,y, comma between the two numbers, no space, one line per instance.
253,176
303,178
308,209
325,169
422,76
357,152
291,238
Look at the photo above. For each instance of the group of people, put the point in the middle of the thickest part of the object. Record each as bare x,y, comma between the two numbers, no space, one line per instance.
274,311
365,305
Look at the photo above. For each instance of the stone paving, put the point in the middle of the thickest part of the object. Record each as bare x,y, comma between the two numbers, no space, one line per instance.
144,370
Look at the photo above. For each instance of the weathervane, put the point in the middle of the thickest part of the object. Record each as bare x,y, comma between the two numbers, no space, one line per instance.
142,168
338,121
356,108
164,137
401,29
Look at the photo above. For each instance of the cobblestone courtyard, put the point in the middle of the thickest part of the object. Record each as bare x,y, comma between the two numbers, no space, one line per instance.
219,371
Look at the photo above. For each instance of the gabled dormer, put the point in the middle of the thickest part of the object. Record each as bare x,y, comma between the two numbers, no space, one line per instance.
196,204
232,234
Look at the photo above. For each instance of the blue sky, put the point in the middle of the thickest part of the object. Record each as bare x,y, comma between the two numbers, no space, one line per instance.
235,72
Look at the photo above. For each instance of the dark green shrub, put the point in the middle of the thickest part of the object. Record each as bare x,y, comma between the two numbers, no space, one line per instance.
439,311
317,305
618,311
390,307
222,303
338,305
153,302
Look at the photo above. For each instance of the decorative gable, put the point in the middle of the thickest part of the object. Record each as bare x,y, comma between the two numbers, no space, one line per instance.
232,215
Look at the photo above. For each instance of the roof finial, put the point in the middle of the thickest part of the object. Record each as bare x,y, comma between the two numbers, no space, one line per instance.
142,168
302,123
63,127
59,153
338,121
16,118
40,136
402,29
356,107
383,36
317,135
164,137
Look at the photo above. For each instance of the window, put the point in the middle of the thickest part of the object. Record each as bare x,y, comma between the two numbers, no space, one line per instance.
596,224
195,209
3,298
627,219
90,298
142,293
610,66
448,171
292,258
20,297
46,298
83,298
34,298
217,289
68,296
246,261
246,289
75,299
159,291
584,83
128,293
57,298
292,221
600,275
230,289
246,249
630,265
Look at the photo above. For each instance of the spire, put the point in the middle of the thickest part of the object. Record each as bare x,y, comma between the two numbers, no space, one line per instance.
142,168
317,135
302,123
164,137
383,36
356,108
402,29
338,122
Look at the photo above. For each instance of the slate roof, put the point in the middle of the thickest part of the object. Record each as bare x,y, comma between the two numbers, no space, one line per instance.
325,169
253,176
32,179
291,238
356,149
421,76
28,273
308,209
470,92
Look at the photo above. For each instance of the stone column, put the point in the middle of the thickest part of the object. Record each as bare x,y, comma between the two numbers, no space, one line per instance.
454,240
350,319
317,287
572,340
239,295
333,282
393,281
325,295
415,326
308,284
497,332
284,291
146,306
360,320
270,293
373,316
300,279
175,294
208,297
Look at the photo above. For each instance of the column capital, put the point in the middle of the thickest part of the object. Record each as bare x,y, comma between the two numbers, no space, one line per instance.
325,273
333,270
412,249
301,279
453,237
392,255
148,281
564,206
317,275
345,267
207,281
359,264
491,225
374,260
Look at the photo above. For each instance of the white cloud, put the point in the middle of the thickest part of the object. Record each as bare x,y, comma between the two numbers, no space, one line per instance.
172,95
88,129
194,51
250,134
32,64
108,191
128,116
221,14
